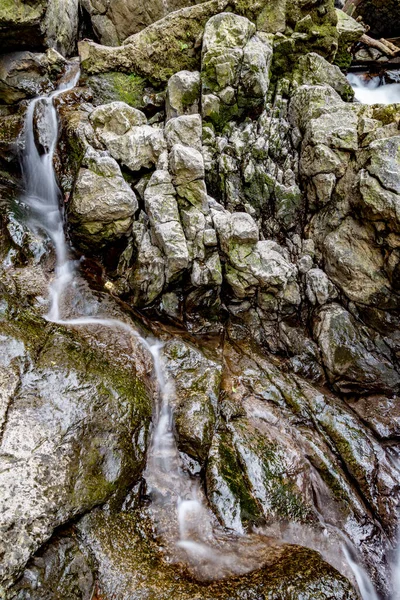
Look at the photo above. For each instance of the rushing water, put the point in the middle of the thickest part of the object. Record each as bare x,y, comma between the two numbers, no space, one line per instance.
370,91
178,506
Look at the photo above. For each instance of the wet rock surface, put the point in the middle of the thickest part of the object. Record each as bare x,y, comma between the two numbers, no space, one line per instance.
219,179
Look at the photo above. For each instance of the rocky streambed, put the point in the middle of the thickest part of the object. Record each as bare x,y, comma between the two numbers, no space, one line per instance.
209,182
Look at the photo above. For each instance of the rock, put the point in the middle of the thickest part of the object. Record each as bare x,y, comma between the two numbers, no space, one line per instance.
183,94
186,164
162,209
28,74
59,456
115,119
159,51
146,276
353,362
313,69
114,22
131,554
59,568
196,380
185,130
354,262
235,228
102,205
350,31
140,147
319,288
382,18
51,24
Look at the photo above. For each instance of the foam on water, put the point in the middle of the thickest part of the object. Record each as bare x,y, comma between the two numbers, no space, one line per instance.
372,92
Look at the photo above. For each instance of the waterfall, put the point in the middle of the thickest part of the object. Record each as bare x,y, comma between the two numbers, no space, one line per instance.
372,92
178,506
192,532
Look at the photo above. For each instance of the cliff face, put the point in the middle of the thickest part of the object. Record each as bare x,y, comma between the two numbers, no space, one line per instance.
223,185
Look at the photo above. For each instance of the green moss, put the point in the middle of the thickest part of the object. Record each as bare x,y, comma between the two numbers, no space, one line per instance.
108,87
237,481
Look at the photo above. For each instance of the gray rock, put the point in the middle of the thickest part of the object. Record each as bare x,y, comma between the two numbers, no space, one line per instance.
186,164
353,362
115,119
102,204
185,130
183,94
319,288
313,69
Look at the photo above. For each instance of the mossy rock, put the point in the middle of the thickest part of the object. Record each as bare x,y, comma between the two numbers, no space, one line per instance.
130,564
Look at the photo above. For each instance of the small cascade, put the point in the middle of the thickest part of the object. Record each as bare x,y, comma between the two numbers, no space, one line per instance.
371,91
187,527
178,506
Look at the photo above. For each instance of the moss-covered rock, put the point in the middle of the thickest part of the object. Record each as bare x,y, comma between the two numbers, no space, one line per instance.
129,558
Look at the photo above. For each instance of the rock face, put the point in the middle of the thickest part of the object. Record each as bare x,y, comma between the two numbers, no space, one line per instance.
221,182
382,17
39,24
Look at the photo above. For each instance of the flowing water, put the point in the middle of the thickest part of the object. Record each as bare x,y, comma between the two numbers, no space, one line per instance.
371,91
178,506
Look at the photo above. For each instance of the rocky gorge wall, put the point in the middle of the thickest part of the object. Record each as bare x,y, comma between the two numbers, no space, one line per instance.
222,184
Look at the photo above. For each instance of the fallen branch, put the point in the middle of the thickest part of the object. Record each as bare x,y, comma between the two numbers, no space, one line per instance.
382,45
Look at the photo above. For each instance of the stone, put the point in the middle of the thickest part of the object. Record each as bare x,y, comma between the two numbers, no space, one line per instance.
28,74
382,18
41,24
319,288
58,456
162,210
115,119
146,276
353,362
313,69
183,94
350,31
185,130
139,148
354,262
186,164
103,204
196,381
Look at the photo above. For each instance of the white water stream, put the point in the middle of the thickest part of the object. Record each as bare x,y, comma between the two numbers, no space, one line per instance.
178,506
372,92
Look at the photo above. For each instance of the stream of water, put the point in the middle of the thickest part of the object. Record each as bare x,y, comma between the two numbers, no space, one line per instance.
371,91
178,505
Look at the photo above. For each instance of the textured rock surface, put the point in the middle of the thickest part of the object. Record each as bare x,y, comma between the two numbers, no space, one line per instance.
220,182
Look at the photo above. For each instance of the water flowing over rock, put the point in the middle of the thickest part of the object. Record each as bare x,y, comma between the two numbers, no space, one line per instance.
199,304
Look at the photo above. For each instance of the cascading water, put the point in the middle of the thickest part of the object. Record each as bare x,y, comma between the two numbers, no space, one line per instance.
178,504
179,510
370,91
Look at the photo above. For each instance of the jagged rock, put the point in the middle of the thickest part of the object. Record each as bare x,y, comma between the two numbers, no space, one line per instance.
184,130
354,363
60,568
313,69
354,262
196,380
186,164
162,210
183,94
50,24
115,119
114,21
103,204
350,31
319,289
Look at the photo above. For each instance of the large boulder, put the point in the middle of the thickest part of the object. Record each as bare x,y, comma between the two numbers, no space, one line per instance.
39,24
103,204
